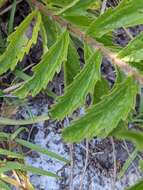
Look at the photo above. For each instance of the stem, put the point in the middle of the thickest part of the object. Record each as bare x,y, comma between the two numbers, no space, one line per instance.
106,52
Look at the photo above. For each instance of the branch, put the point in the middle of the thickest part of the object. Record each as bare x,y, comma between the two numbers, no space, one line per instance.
76,32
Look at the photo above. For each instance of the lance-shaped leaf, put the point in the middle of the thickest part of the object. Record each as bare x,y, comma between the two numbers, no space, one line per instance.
101,88
76,92
127,13
133,52
46,69
8,166
72,65
103,117
20,42
41,150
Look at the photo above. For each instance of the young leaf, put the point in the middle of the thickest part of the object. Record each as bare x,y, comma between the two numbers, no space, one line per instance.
72,65
8,166
41,150
75,95
20,43
45,70
127,13
103,117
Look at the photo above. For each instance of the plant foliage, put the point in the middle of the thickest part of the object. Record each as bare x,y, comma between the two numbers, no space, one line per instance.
76,37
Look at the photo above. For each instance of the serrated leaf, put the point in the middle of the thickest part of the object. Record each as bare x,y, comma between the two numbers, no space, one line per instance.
72,65
103,117
127,13
46,69
41,150
8,166
20,43
75,95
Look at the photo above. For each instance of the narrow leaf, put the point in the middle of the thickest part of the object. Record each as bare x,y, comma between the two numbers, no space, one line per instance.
20,43
41,150
127,13
72,65
8,166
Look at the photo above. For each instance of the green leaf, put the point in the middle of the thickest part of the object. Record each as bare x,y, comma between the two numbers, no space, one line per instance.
127,13
41,150
76,7
20,43
51,30
133,52
75,95
6,121
46,69
101,88
8,166
10,154
81,21
138,186
72,65
4,186
103,117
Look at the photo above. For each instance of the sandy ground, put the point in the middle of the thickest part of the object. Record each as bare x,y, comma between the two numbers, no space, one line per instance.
99,171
